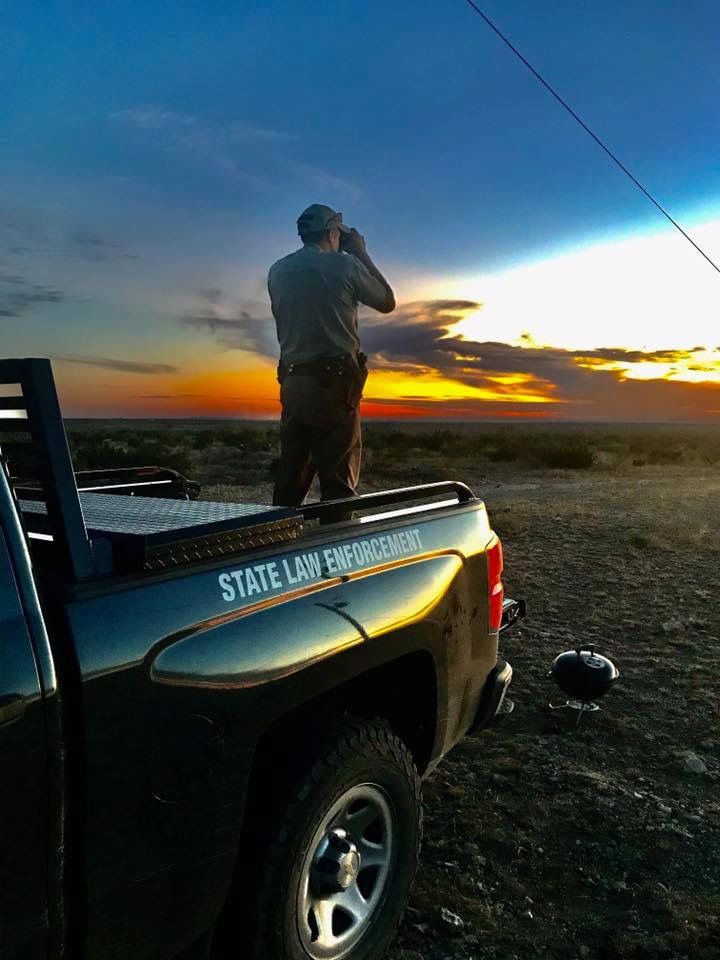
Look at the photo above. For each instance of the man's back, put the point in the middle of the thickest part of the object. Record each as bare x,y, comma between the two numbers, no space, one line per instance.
314,295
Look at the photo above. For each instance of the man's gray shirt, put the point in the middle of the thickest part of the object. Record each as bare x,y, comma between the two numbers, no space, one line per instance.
314,296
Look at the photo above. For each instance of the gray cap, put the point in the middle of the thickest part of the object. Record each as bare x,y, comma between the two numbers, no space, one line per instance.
319,217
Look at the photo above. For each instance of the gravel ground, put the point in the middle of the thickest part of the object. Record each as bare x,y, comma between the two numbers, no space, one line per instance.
547,841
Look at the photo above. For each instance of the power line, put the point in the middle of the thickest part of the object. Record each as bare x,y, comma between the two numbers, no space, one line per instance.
587,129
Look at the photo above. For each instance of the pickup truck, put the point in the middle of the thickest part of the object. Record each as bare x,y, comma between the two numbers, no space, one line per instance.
215,718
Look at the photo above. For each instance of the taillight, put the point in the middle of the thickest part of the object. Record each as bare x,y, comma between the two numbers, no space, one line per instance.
495,585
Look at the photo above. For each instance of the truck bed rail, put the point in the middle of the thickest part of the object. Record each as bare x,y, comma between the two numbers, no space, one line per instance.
425,496
150,481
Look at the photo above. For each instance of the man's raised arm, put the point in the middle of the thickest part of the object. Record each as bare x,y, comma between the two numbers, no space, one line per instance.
372,288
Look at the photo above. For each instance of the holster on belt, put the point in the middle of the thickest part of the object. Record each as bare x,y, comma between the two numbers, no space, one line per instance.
350,370
359,374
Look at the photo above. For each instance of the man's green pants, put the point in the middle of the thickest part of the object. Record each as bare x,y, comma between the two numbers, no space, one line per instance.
319,434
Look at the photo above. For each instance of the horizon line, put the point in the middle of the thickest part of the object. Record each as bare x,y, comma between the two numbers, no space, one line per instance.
424,420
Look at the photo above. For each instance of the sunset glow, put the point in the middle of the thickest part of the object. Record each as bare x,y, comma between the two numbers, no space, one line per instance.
510,350
648,291
427,384
143,209
695,366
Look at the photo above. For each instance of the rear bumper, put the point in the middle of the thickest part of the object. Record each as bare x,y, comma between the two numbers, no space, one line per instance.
493,702
493,695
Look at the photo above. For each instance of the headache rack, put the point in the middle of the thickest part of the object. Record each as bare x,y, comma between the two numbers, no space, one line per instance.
35,453
100,522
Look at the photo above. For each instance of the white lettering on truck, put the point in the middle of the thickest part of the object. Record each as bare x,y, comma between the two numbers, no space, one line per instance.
262,578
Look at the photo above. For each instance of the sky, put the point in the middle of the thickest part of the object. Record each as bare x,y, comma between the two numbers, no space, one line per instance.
154,159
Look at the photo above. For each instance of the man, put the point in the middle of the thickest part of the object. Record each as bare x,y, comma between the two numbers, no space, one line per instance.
315,294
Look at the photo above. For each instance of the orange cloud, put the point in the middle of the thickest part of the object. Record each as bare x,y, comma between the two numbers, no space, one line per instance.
430,385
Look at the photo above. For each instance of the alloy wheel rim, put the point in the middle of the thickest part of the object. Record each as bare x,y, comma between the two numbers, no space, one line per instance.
345,872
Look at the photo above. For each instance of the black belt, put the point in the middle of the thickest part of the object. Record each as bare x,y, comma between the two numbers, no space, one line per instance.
324,366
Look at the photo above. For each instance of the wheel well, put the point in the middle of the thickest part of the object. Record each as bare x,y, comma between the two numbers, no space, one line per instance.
403,692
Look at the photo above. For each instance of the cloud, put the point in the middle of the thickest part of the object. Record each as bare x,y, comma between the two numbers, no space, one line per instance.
156,118
124,366
96,247
417,346
602,382
22,236
622,355
245,133
421,334
324,180
17,223
231,148
234,325
18,295
198,139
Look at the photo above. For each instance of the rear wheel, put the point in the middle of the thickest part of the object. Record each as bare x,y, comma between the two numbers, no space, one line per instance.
340,863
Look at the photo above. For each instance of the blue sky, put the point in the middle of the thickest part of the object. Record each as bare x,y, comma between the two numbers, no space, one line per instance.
150,152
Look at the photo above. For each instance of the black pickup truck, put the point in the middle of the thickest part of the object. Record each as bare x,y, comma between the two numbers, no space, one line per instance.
214,718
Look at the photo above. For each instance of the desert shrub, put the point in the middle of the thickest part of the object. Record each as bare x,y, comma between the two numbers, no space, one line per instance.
446,442
391,440
245,438
220,454
503,450
665,455
495,444
95,451
573,453
439,441
221,463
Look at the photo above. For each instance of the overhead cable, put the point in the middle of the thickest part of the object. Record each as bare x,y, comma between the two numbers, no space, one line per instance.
587,129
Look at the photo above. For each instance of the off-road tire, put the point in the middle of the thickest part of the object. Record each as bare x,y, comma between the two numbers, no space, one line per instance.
359,752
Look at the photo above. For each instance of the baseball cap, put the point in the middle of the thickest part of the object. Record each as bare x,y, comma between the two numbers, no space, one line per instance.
319,217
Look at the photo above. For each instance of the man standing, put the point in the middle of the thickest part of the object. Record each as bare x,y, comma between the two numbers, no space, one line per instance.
315,294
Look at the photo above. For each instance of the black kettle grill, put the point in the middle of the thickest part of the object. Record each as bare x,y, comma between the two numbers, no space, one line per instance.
585,676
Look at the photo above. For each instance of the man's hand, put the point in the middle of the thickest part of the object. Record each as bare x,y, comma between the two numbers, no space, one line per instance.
354,243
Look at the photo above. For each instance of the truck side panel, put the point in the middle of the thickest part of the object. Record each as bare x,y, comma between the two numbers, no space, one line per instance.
183,673
29,884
